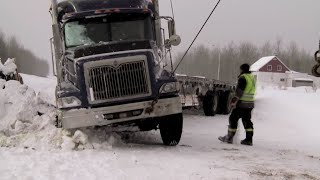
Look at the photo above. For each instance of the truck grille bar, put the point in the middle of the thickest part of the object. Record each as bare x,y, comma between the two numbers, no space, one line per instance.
127,80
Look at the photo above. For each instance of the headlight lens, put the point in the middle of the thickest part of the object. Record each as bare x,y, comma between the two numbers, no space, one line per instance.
67,102
169,87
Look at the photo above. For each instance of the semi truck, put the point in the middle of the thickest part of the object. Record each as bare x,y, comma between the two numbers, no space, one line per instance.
111,59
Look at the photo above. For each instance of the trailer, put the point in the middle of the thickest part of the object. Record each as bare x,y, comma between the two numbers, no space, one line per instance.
210,95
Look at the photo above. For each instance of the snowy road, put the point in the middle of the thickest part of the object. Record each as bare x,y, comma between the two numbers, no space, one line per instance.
199,156
286,146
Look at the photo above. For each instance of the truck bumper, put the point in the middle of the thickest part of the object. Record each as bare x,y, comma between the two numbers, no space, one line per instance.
118,114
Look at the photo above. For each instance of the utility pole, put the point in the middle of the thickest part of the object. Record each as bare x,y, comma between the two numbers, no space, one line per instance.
219,62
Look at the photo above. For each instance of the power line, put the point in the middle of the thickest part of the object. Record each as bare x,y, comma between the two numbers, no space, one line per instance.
215,7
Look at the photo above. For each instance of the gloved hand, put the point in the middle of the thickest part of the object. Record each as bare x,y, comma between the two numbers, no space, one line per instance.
234,101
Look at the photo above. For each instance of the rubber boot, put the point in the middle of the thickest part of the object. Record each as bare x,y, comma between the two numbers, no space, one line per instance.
248,140
227,138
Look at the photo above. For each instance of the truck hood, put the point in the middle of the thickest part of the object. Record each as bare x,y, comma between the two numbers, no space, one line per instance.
89,50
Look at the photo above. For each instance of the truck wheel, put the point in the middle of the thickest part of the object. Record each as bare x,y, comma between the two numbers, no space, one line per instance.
210,104
225,103
171,129
227,109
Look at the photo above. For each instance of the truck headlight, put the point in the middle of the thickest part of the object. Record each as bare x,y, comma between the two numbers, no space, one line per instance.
169,87
67,102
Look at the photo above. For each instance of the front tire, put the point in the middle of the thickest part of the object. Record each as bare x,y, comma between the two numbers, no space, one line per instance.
171,129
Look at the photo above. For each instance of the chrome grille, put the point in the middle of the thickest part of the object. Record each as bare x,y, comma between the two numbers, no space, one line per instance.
128,80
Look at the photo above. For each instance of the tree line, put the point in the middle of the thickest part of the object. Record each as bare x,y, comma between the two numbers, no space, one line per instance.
204,61
26,60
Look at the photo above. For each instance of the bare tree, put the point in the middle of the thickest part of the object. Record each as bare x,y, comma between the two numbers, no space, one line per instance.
3,47
266,49
204,60
26,61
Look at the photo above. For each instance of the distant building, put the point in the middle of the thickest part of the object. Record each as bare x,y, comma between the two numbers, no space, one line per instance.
271,70
269,64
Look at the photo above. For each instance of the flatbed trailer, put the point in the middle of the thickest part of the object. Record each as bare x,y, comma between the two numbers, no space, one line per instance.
210,95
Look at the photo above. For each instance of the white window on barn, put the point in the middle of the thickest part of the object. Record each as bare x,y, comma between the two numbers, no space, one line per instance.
279,68
269,67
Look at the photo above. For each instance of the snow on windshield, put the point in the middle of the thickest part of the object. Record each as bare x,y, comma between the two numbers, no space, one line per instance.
76,34
86,32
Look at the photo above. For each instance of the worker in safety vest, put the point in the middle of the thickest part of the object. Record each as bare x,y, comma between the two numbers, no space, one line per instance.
243,104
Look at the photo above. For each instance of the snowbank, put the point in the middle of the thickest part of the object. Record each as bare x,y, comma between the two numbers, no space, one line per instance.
2,99
44,87
27,119
22,114
9,67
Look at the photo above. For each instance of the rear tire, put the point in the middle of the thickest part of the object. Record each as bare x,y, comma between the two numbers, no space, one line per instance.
225,103
210,104
171,129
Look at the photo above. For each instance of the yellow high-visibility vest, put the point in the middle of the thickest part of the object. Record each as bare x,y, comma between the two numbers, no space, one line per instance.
250,89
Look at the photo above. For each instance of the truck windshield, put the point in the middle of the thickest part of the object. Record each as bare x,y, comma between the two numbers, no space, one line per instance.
107,29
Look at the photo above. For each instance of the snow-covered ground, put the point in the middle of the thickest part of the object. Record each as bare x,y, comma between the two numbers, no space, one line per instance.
286,142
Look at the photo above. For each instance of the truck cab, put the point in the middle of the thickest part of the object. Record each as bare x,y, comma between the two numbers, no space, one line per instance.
109,58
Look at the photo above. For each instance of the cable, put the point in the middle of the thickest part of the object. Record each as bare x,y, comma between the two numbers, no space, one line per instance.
196,36
155,101
172,11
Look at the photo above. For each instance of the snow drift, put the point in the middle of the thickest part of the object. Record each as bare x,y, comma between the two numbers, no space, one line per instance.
24,114
27,119
9,67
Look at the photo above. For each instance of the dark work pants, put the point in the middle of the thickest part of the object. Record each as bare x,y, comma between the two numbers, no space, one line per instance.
245,115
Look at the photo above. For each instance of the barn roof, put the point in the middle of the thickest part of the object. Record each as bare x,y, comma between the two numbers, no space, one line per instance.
262,62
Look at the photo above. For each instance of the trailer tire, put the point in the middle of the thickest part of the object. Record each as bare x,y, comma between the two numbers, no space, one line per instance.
58,122
225,103
210,104
171,129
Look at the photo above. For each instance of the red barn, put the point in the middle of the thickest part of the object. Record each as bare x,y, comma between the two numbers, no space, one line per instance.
270,64
270,70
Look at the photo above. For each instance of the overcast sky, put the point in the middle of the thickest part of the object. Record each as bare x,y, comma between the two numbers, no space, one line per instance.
235,20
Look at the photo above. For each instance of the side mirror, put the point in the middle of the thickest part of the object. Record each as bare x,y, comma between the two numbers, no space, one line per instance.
175,40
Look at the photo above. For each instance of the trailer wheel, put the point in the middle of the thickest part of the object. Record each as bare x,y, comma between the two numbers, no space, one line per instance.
210,104
171,129
58,123
225,103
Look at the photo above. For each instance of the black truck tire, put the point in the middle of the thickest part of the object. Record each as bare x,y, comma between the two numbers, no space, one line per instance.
171,129
210,104
225,103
